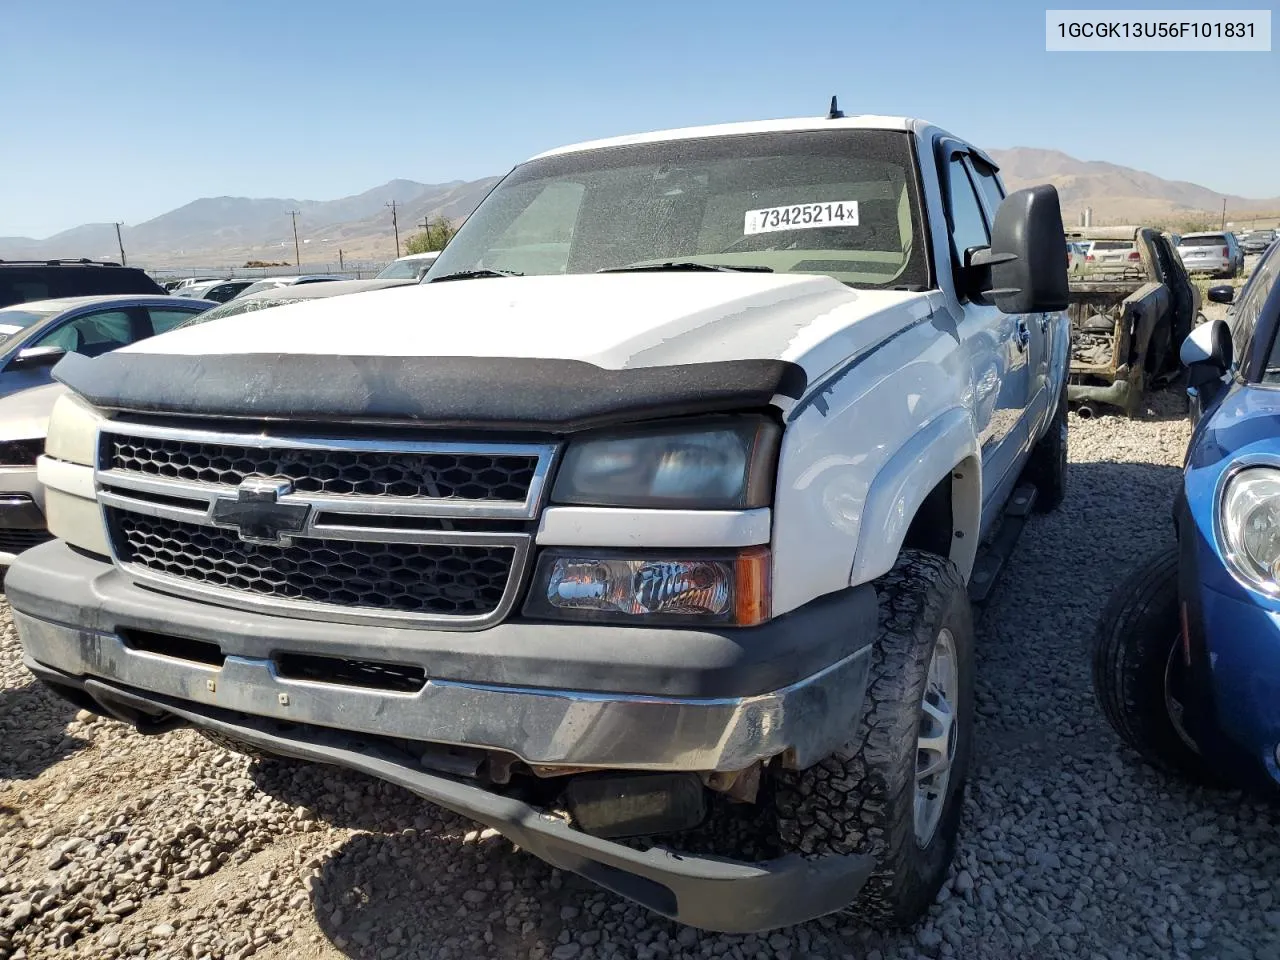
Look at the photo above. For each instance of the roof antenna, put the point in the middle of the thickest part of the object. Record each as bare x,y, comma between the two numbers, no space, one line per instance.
835,113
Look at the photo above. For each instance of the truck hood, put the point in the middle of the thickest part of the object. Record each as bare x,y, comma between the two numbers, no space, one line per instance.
522,349
613,321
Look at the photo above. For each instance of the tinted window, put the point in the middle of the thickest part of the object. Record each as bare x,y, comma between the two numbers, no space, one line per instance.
20,284
168,318
1244,320
968,228
1215,241
94,334
1112,245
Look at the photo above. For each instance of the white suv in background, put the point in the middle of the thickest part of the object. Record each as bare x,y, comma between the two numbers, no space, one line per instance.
1218,254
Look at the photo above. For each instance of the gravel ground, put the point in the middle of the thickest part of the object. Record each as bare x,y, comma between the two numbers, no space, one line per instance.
117,845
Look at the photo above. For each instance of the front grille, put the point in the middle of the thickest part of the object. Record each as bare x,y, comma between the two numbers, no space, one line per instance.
15,541
483,477
462,580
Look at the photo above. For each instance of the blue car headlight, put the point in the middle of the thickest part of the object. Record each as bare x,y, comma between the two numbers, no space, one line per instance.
1250,528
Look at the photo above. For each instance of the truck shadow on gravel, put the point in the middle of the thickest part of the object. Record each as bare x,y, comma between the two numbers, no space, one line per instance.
423,880
33,731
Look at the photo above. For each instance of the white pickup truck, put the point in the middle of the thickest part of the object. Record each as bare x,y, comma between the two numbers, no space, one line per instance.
639,531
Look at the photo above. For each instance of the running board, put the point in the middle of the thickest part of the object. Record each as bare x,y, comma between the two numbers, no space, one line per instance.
993,555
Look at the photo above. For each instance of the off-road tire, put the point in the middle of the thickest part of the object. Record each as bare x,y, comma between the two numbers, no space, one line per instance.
1046,468
1136,635
862,798
235,746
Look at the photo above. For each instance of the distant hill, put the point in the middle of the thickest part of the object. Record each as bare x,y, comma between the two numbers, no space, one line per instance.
227,231
1118,193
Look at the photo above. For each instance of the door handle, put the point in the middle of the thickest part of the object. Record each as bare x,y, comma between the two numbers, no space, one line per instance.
1021,335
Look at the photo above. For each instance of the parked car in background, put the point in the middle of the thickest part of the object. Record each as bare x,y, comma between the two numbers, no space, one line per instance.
1257,241
219,291
410,267
1128,316
25,280
1076,254
1215,253
33,337
1186,659
271,283
279,296
24,415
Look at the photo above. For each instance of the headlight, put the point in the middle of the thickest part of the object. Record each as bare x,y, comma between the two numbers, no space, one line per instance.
73,431
656,589
712,465
1251,528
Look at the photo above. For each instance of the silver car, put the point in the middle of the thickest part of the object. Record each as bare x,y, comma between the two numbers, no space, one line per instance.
1215,253
24,415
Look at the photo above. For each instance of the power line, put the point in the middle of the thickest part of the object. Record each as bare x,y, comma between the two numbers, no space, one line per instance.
395,225
297,256
120,242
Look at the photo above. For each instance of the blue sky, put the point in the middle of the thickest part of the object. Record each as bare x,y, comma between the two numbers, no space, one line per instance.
121,111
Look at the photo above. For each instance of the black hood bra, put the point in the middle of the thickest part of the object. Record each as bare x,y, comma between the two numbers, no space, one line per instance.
494,392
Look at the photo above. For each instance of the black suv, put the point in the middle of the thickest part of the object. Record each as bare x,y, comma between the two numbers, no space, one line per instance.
24,280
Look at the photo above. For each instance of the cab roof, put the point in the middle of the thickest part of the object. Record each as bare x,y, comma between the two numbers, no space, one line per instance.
855,122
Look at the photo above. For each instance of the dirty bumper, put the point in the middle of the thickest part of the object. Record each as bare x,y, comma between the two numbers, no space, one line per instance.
708,892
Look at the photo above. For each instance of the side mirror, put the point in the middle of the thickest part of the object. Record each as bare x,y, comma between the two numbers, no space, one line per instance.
35,357
1224,293
1028,254
1207,355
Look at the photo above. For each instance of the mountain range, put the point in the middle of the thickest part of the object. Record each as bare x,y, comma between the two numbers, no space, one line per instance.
227,231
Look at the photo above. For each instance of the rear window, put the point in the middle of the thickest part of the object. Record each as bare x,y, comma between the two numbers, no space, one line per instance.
1216,240
236,307
22,284
1111,245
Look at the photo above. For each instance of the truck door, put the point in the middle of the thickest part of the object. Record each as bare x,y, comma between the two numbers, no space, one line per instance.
1037,328
999,345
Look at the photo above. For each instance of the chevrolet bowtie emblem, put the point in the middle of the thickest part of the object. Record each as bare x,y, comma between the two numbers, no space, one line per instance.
257,514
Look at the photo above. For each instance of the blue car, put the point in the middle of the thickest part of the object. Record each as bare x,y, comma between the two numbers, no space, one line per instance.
1186,659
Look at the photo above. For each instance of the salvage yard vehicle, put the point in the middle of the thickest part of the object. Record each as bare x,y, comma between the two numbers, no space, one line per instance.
1186,660
1257,241
24,415
649,515
1128,317
24,280
1217,254
34,337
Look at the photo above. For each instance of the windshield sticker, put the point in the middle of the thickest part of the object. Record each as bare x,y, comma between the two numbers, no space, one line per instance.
802,216
8,328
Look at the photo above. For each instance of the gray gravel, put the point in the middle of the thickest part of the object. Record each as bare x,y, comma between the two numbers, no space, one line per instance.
116,845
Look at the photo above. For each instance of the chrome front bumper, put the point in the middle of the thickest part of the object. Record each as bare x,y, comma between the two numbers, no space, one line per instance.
803,722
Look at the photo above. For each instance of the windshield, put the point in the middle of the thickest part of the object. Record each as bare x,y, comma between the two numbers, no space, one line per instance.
1217,240
14,322
404,269
233,307
261,285
842,203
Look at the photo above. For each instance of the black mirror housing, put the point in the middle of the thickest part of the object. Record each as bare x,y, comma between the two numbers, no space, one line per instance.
1028,254
35,357
1223,293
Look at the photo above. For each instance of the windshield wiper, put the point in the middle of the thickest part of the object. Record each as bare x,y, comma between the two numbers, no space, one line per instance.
691,265
475,274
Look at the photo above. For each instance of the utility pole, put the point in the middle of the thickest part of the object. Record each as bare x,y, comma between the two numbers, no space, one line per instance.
339,259
297,256
394,225
1224,214
120,242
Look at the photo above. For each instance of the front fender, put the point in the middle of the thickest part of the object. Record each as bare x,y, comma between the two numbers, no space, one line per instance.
946,445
